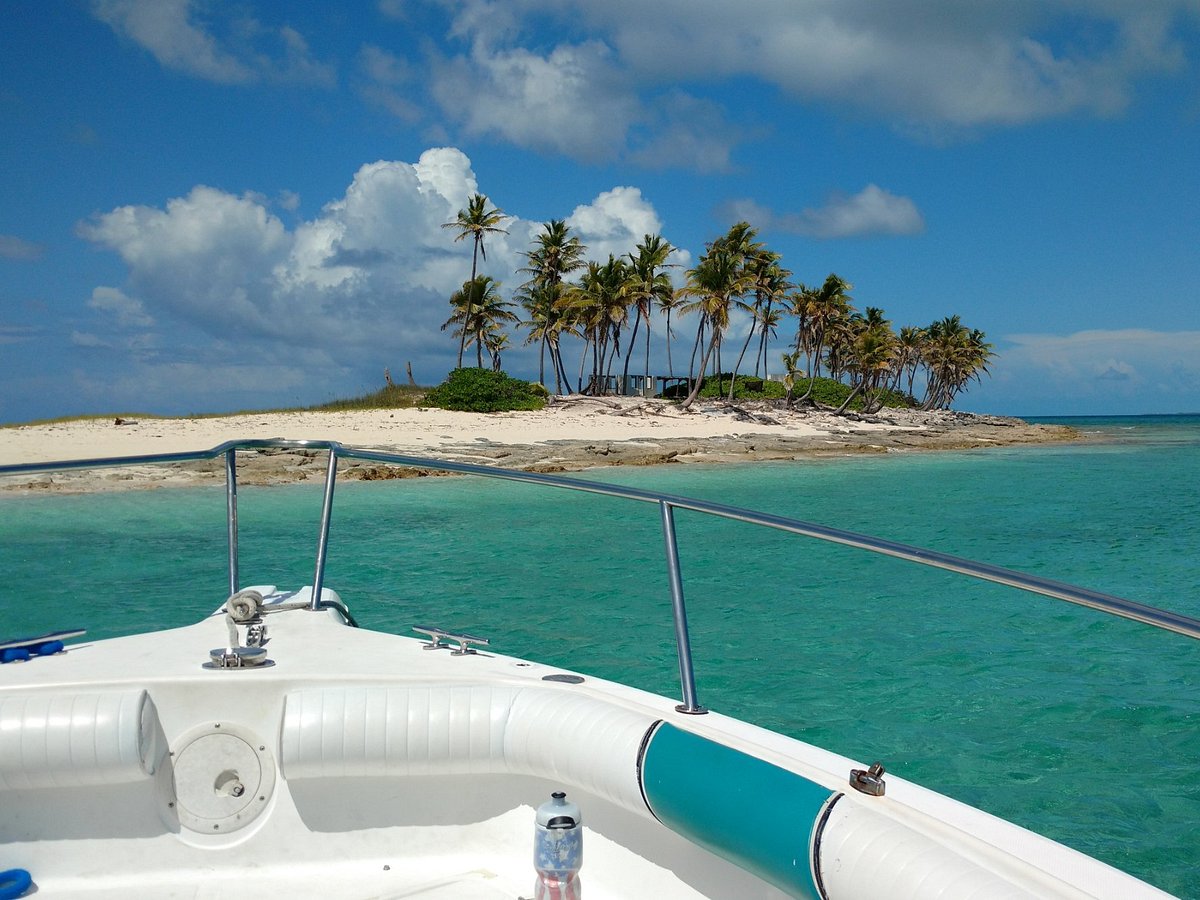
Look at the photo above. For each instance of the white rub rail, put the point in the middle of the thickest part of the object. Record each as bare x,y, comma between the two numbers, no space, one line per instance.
666,503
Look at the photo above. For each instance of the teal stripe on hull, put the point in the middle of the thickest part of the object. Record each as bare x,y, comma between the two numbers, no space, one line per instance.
748,811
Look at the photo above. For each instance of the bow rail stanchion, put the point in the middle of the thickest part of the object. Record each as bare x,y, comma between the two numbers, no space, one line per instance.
323,537
231,525
683,643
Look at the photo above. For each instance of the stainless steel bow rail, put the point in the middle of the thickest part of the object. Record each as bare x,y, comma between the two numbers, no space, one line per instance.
667,504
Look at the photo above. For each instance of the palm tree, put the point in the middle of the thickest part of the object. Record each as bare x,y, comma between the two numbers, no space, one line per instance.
870,352
555,254
769,321
908,355
496,341
820,310
538,301
666,303
770,282
789,374
873,351
647,284
715,281
479,311
476,220
601,304
740,244
953,356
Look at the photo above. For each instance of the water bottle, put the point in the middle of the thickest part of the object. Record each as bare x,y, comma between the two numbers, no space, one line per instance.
558,849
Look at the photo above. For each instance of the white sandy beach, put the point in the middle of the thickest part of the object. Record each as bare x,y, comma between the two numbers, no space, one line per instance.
575,433
421,430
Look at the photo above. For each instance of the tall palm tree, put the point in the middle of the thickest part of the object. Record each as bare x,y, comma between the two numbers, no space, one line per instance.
769,321
478,311
602,305
648,284
908,355
840,333
822,309
477,221
953,356
715,281
872,353
770,283
556,254
666,304
538,302
740,244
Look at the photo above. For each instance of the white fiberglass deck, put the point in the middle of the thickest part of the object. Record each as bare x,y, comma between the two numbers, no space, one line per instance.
360,764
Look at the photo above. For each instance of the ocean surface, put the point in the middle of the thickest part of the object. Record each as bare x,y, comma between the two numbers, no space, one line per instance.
1079,726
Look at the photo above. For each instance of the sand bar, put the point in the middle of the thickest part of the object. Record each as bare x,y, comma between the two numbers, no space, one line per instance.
571,434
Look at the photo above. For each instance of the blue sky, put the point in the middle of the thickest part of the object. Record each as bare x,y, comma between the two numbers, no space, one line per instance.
218,205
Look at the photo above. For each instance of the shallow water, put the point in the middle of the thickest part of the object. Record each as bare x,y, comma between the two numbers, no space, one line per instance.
1076,725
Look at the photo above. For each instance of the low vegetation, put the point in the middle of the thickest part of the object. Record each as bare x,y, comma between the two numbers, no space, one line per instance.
482,390
392,396
826,392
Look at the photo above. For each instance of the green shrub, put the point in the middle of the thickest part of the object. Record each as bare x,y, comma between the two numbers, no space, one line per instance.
482,390
827,392
748,388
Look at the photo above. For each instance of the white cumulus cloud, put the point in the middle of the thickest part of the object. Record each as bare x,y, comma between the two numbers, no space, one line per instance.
368,278
614,222
193,258
572,100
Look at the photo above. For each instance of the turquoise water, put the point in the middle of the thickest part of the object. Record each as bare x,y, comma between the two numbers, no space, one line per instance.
1076,725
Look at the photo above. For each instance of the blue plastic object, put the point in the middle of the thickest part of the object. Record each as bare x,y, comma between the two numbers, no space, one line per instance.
14,883
741,808
21,649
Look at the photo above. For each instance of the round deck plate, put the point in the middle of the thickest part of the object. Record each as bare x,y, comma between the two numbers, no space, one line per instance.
224,777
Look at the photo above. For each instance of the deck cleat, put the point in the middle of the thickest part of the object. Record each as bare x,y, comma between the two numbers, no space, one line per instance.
869,781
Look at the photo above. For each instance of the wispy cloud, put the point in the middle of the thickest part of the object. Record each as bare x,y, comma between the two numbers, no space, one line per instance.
683,131
175,33
17,334
12,247
1135,370
872,211
939,63
191,385
127,311
388,82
